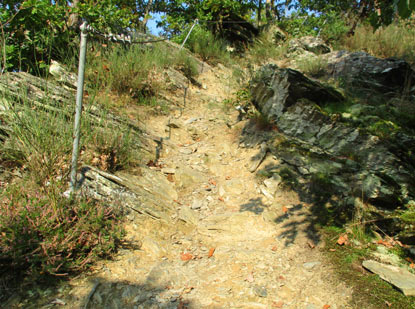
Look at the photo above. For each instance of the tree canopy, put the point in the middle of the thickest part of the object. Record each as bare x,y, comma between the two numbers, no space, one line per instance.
33,29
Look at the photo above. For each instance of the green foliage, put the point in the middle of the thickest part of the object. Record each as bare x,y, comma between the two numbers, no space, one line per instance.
203,43
330,25
180,13
43,234
34,31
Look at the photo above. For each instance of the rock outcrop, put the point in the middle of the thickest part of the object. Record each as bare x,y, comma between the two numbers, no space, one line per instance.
308,44
326,150
364,71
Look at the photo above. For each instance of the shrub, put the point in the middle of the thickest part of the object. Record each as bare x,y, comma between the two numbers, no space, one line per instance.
44,234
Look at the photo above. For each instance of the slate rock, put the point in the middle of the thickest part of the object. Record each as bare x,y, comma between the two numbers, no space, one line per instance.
399,277
365,71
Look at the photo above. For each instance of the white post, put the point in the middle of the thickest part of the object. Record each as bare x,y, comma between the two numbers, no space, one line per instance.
187,36
79,95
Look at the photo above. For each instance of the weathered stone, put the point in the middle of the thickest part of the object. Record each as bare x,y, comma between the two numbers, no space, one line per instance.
308,43
311,265
374,74
274,90
152,248
346,158
187,176
62,75
130,194
399,277
260,291
188,215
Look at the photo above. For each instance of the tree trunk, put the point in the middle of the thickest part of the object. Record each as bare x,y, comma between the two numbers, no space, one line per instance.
268,10
259,12
149,6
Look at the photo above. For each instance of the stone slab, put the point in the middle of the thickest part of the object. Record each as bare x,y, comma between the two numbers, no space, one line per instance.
399,277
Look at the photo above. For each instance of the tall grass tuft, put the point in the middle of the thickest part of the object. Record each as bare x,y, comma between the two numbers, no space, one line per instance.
264,49
396,40
209,47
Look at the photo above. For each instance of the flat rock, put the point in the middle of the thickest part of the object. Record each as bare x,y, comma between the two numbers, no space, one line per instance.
311,265
189,216
399,277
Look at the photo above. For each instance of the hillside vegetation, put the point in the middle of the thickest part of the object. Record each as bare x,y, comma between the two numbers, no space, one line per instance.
45,234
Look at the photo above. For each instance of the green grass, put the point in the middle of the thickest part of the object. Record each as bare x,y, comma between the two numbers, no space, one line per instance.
207,46
137,71
265,49
396,40
369,291
312,66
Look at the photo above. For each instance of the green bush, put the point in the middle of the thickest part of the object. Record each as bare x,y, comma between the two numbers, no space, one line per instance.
41,234
329,26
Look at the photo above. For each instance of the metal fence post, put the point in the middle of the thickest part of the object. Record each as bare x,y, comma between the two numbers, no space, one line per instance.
79,95
190,31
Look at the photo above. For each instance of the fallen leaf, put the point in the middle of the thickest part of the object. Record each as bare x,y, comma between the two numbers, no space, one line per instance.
284,209
275,248
221,199
343,240
212,182
311,244
281,277
186,257
211,251
170,177
228,177
332,250
386,243
280,304
326,306
250,278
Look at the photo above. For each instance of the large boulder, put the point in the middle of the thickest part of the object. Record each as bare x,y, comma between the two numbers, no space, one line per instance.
274,90
353,161
364,71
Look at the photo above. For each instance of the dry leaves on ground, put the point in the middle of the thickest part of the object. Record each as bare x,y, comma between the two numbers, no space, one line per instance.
343,240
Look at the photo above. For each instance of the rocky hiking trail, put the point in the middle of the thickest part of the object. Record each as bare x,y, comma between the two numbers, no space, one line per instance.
230,239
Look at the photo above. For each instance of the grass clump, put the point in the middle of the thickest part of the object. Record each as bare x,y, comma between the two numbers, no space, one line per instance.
369,290
205,44
313,66
395,40
264,49
136,71
44,233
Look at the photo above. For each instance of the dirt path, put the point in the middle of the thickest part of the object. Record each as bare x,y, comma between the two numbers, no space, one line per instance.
233,243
